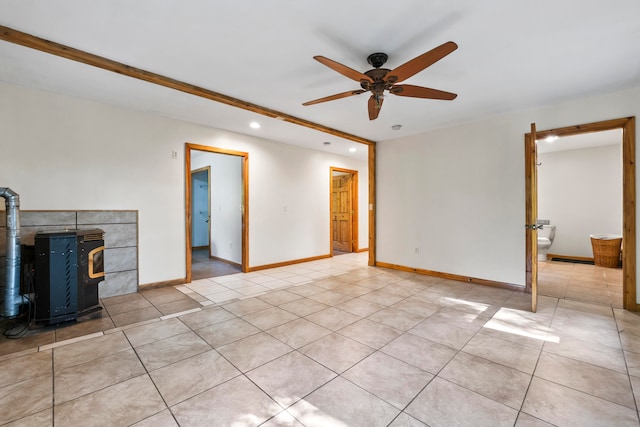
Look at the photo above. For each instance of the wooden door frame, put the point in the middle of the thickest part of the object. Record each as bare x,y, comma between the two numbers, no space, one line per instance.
208,169
354,206
627,124
188,147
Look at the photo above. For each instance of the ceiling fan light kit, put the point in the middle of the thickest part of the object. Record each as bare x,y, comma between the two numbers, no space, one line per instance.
378,80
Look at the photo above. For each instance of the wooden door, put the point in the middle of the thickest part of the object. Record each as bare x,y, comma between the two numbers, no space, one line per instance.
342,212
531,180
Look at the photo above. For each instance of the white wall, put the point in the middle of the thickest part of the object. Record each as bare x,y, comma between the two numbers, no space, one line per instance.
66,153
458,194
580,192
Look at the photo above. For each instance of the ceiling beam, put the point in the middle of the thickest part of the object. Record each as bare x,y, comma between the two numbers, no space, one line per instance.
24,39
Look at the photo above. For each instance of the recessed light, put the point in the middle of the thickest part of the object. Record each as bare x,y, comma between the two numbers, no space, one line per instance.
396,127
550,138
353,149
254,125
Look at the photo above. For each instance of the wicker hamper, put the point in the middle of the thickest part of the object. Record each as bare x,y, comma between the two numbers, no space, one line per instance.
606,249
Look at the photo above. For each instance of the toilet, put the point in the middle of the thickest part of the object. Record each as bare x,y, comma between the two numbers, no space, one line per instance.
545,240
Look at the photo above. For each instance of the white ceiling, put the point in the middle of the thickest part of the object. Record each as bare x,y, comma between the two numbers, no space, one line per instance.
580,141
512,55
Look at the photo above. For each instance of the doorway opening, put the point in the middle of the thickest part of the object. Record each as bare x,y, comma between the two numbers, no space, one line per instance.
627,125
344,211
579,195
216,211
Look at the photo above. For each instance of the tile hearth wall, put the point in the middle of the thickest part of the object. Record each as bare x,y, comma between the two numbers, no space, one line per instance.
120,240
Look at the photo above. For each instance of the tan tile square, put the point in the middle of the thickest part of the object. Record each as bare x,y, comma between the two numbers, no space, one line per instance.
417,306
449,335
86,351
433,407
126,306
526,420
420,352
306,290
236,402
13,371
147,334
189,377
404,420
247,306
26,398
585,377
227,332
298,333
352,289
341,400
360,307
206,317
170,350
507,353
279,297
471,317
112,405
135,316
269,318
178,306
388,378
283,419
253,351
42,418
330,297
633,363
289,378
110,301
560,405
161,419
370,333
332,318
589,352
397,319
337,352
79,380
303,306
497,382
162,296
382,297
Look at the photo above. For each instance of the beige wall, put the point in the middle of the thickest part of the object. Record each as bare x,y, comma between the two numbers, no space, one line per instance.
63,153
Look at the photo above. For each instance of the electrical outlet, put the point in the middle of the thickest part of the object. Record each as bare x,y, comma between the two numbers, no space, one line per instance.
174,154
417,251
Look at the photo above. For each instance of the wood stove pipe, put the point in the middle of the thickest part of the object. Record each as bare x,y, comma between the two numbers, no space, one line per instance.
12,297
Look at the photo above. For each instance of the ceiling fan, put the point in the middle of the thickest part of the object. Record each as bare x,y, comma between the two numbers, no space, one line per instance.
379,79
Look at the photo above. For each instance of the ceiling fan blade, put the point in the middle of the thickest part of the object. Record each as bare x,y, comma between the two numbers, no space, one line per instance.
374,107
336,96
422,92
419,63
343,69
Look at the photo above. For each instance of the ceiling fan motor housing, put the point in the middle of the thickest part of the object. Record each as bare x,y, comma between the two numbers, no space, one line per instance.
378,59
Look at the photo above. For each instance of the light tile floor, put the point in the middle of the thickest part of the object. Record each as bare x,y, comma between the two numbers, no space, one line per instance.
328,343
580,282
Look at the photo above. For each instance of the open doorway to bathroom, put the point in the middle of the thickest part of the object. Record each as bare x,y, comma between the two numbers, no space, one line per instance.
578,280
579,194
216,212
